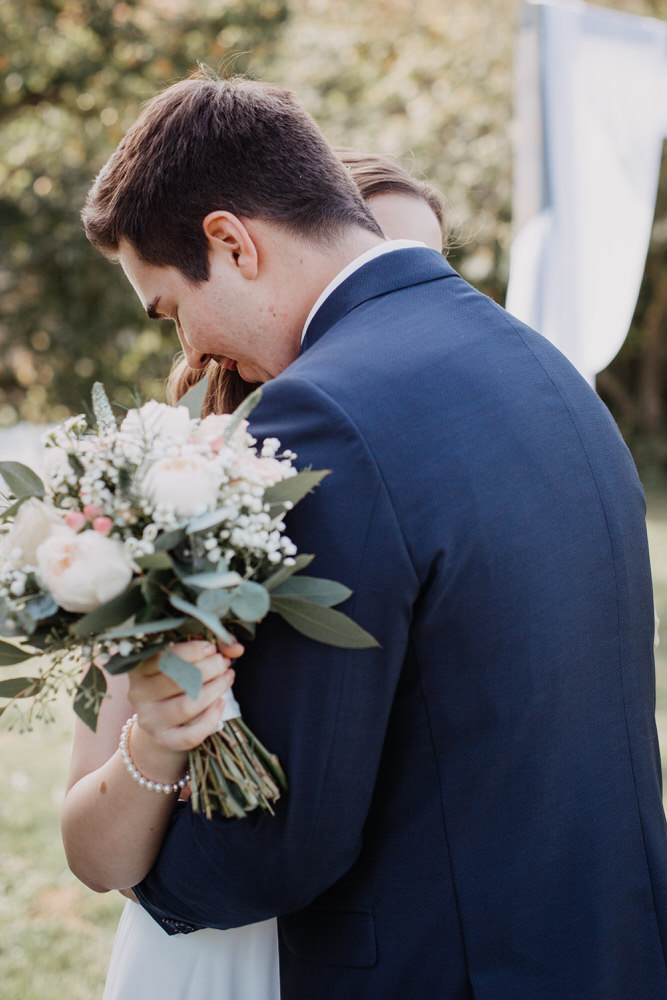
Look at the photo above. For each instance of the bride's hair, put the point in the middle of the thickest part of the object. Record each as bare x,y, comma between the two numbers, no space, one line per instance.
373,175
376,175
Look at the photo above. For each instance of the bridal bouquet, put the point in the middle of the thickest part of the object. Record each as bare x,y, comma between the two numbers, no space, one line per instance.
150,531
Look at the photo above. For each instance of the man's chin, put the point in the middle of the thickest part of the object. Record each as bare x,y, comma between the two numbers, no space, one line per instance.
250,375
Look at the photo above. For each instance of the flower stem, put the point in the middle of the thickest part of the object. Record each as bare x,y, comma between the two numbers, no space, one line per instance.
232,772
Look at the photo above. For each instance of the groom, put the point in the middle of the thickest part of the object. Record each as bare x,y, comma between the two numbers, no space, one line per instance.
474,808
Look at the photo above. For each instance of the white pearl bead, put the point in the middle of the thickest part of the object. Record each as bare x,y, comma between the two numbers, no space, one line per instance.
135,773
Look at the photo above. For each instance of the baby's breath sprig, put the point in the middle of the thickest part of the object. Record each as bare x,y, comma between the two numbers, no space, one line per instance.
142,534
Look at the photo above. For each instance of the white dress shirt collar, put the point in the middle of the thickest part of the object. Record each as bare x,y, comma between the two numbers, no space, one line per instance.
387,247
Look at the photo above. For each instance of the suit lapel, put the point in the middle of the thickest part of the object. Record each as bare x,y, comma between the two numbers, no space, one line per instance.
388,273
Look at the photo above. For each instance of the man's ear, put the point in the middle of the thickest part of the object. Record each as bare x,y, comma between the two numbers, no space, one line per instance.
227,234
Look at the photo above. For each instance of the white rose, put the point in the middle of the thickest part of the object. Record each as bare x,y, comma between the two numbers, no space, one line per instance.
34,523
187,483
156,420
259,471
82,571
214,426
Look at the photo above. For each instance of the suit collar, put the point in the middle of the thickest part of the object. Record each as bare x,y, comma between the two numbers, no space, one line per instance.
388,273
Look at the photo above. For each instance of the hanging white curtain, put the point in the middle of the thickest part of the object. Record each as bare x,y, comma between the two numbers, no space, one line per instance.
591,116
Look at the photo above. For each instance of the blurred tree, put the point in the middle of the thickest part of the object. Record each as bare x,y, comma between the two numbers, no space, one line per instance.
431,83
74,73
428,82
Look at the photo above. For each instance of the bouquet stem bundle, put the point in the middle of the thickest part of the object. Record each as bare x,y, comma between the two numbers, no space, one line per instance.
231,771
143,535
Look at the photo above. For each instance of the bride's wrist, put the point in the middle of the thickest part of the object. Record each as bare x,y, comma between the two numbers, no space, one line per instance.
149,763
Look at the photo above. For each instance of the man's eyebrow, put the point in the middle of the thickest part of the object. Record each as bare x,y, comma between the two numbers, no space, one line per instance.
151,308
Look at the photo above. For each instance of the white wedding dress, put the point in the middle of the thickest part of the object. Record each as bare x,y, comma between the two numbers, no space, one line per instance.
236,964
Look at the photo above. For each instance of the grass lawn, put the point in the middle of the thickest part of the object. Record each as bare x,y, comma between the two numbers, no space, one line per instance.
55,935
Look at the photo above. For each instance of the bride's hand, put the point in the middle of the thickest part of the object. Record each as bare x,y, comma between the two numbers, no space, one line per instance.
169,722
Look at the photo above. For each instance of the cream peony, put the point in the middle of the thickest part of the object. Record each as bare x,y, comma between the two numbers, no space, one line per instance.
156,420
214,426
82,571
259,471
187,483
35,522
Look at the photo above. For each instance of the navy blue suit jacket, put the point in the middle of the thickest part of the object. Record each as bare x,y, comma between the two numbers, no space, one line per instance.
475,808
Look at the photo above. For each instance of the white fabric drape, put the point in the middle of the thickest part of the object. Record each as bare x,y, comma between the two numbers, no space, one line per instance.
591,116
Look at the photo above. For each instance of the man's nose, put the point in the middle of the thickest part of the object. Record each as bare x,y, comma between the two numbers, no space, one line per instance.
195,359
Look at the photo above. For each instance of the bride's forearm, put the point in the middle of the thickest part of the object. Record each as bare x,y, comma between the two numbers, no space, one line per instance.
112,828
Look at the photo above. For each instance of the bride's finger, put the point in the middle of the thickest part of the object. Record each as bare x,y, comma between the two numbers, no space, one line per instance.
155,686
192,652
191,734
232,651
161,718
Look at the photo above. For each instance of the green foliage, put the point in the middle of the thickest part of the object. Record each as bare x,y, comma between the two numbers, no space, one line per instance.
21,480
428,83
89,695
322,623
74,74
186,675
10,654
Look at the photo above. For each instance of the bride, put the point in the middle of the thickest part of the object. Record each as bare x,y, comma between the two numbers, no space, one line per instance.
112,825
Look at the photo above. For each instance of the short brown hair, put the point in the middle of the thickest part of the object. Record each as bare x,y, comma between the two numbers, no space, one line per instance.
203,144
373,175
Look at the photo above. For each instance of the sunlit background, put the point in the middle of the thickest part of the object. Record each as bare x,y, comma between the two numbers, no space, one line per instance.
427,81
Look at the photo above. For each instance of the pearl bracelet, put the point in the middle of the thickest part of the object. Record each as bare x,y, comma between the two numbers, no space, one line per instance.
135,773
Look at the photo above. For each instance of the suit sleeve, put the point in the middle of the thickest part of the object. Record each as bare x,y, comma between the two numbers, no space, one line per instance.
322,709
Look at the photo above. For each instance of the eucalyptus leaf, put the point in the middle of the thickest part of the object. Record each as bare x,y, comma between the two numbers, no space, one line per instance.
168,540
213,581
145,628
322,624
89,696
242,412
204,522
209,621
13,508
21,480
42,607
250,601
33,612
26,622
194,398
312,588
120,664
186,675
10,654
285,572
155,560
106,422
290,491
114,612
153,592
215,602
20,687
